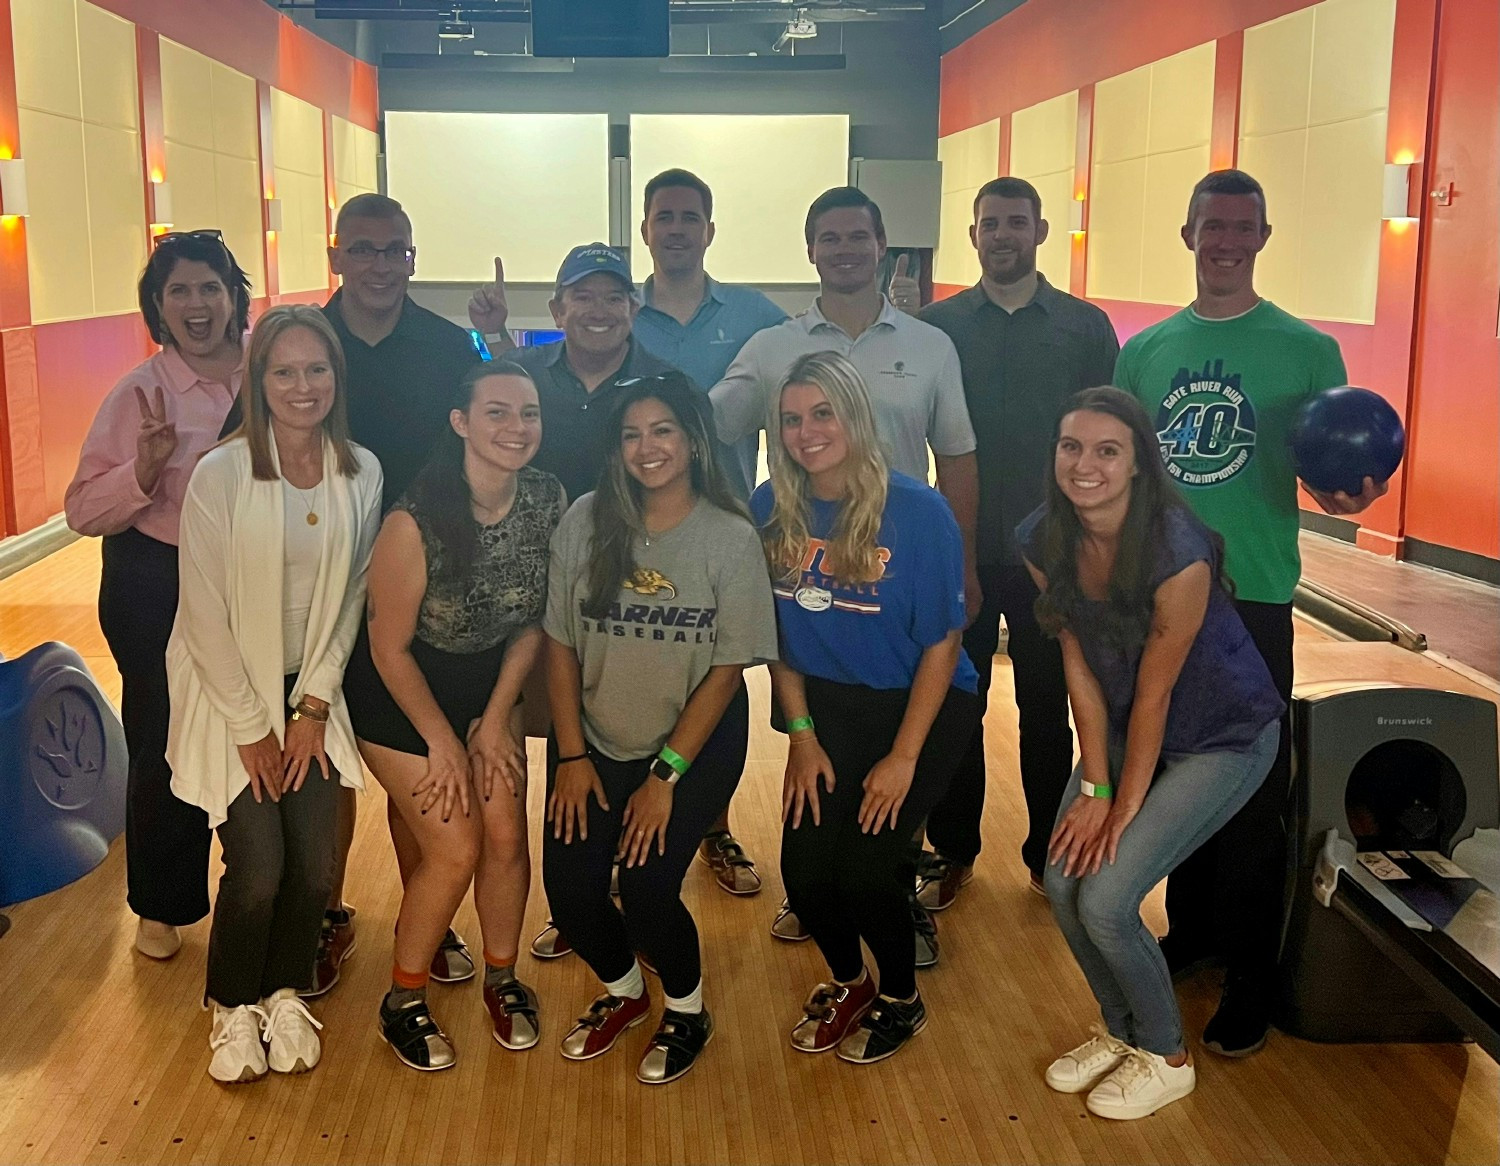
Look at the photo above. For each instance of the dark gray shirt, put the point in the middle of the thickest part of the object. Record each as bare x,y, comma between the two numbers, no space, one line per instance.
1018,370
575,422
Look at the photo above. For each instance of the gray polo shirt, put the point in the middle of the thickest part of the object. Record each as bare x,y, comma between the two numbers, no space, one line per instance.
911,369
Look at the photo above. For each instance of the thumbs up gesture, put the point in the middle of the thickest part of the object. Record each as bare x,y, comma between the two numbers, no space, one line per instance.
488,310
904,291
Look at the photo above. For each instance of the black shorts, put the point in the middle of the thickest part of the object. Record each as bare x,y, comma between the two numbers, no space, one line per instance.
461,683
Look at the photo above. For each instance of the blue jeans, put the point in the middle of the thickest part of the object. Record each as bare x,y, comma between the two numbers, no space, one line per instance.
1191,796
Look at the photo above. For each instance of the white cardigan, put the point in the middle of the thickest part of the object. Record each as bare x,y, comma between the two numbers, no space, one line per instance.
224,660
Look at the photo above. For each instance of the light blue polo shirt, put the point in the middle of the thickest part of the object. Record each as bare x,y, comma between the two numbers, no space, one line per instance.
705,346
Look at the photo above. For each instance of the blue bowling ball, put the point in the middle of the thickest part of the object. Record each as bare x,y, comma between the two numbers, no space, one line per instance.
1345,435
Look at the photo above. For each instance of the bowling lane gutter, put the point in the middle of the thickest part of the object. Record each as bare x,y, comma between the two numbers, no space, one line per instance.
1348,617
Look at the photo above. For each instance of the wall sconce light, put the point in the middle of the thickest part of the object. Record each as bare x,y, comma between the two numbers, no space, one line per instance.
1395,195
273,214
161,198
14,199
1075,216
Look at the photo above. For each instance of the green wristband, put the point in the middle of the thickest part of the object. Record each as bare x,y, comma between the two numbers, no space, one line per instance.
797,724
675,759
1090,790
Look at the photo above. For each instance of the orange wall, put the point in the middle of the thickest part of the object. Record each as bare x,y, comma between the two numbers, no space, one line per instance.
53,376
1455,457
1065,45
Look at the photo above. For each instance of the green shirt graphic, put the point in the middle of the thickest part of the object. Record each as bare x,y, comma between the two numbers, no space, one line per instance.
1222,395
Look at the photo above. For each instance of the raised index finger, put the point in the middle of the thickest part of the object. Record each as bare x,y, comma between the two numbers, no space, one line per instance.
161,405
142,404
499,272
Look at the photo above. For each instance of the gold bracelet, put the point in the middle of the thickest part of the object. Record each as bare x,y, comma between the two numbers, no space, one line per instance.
306,712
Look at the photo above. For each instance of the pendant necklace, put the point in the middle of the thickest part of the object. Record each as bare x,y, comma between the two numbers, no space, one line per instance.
312,513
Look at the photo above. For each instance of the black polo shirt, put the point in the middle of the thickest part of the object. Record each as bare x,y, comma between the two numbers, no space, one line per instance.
575,422
400,390
1019,368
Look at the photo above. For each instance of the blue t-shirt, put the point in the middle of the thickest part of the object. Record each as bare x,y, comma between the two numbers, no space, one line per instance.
1224,696
874,634
707,344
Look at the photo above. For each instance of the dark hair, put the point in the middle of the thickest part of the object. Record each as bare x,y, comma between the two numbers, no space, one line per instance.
370,206
1153,495
440,491
617,515
685,179
836,199
201,247
1010,188
255,427
1227,182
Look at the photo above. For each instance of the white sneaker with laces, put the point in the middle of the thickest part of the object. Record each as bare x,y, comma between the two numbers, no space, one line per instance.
1142,1084
291,1033
238,1055
1085,1066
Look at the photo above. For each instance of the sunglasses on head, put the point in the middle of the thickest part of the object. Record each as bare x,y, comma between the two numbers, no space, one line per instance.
205,236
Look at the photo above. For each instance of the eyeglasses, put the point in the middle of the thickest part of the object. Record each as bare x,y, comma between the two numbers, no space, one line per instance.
363,253
208,235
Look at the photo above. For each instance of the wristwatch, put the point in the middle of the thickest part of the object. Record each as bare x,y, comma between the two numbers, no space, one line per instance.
664,772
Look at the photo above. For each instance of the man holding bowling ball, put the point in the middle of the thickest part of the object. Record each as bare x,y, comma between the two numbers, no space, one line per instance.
1224,380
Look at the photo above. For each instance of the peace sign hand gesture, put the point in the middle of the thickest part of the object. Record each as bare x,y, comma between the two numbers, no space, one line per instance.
155,442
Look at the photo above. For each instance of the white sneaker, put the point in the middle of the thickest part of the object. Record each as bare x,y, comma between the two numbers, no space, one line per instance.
160,941
235,1041
291,1033
1088,1064
1142,1084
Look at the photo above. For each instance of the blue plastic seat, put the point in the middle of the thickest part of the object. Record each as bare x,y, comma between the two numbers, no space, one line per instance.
62,772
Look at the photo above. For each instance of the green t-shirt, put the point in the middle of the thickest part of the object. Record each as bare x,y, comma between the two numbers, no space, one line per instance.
1222,395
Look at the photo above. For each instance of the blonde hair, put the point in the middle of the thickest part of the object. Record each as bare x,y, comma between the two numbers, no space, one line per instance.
852,554
255,425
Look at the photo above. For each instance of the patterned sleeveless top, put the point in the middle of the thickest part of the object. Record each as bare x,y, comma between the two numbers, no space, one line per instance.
506,590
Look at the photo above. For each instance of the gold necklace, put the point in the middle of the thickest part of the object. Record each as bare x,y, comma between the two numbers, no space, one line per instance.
312,514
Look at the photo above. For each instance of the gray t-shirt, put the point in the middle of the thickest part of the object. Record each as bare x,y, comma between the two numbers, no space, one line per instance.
700,596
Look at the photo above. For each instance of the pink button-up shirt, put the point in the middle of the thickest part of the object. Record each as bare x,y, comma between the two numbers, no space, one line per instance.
104,496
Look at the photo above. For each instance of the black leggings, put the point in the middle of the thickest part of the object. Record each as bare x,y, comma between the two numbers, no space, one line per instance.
654,920
843,884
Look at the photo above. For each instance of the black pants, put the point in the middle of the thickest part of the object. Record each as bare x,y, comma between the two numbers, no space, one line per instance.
278,874
846,885
166,840
1046,737
1229,896
651,918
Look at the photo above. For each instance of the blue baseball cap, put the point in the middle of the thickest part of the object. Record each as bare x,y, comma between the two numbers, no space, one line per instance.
592,259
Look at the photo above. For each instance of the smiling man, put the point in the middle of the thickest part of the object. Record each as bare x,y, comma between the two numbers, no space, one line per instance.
911,368
687,317
1025,348
1223,380
595,306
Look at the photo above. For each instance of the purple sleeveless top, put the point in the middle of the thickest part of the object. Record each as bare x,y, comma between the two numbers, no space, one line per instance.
1224,696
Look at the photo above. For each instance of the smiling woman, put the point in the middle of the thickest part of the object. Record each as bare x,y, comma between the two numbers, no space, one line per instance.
277,526
132,475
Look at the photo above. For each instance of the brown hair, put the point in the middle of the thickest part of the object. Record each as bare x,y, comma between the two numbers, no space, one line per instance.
255,427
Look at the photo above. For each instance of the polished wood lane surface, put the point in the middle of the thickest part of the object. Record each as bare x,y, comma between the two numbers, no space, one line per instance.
104,1053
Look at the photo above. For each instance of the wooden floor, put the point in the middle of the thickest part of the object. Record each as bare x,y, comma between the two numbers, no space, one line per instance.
103,1053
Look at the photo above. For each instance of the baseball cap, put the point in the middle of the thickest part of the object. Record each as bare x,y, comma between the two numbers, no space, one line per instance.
590,259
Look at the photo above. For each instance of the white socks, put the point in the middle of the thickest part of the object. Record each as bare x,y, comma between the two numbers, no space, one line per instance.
632,985
692,1003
